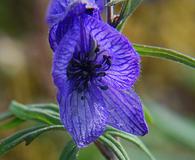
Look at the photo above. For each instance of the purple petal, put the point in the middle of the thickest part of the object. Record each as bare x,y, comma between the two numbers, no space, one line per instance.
59,28
57,10
53,38
83,115
125,66
57,31
125,111
63,55
101,4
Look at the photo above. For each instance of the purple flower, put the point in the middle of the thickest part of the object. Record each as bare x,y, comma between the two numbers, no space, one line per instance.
61,16
94,69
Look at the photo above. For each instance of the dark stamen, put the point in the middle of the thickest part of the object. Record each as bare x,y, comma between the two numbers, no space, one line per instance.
98,66
97,49
89,11
101,74
104,87
82,97
84,70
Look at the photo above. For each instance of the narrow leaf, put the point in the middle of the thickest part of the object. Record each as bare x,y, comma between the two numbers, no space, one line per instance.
5,115
11,124
164,53
148,115
70,152
24,135
114,2
132,139
118,145
32,113
48,106
112,146
128,8
34,135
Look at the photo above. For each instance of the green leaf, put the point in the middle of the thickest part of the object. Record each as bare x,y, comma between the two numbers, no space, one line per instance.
5,115
48,106
70,152
174,126
27,135
130,138
164,53
118,145
114,2
34,113
148,115
35,134
11,124
112,146
128,8
52,109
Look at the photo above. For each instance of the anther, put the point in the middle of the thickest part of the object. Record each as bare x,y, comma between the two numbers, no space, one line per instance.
89,11
101,74
98,66
104,87
82,97
97,49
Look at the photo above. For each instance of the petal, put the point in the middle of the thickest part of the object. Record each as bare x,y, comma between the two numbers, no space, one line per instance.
61,26
52,37
63,55
60,9
125,111
57,31
83,115
101,4
57,10
125,66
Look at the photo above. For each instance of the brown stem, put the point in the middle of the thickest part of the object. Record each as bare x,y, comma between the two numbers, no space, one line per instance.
106,152
109,13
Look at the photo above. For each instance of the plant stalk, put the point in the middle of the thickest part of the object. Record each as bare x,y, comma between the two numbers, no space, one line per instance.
109,13
106,152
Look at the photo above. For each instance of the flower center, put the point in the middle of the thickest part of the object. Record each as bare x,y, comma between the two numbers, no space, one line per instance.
84,70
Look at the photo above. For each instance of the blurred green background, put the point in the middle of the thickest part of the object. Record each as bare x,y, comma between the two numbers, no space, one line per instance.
25,75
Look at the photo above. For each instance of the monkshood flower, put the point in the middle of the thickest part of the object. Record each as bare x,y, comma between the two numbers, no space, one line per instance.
62,13
94,69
